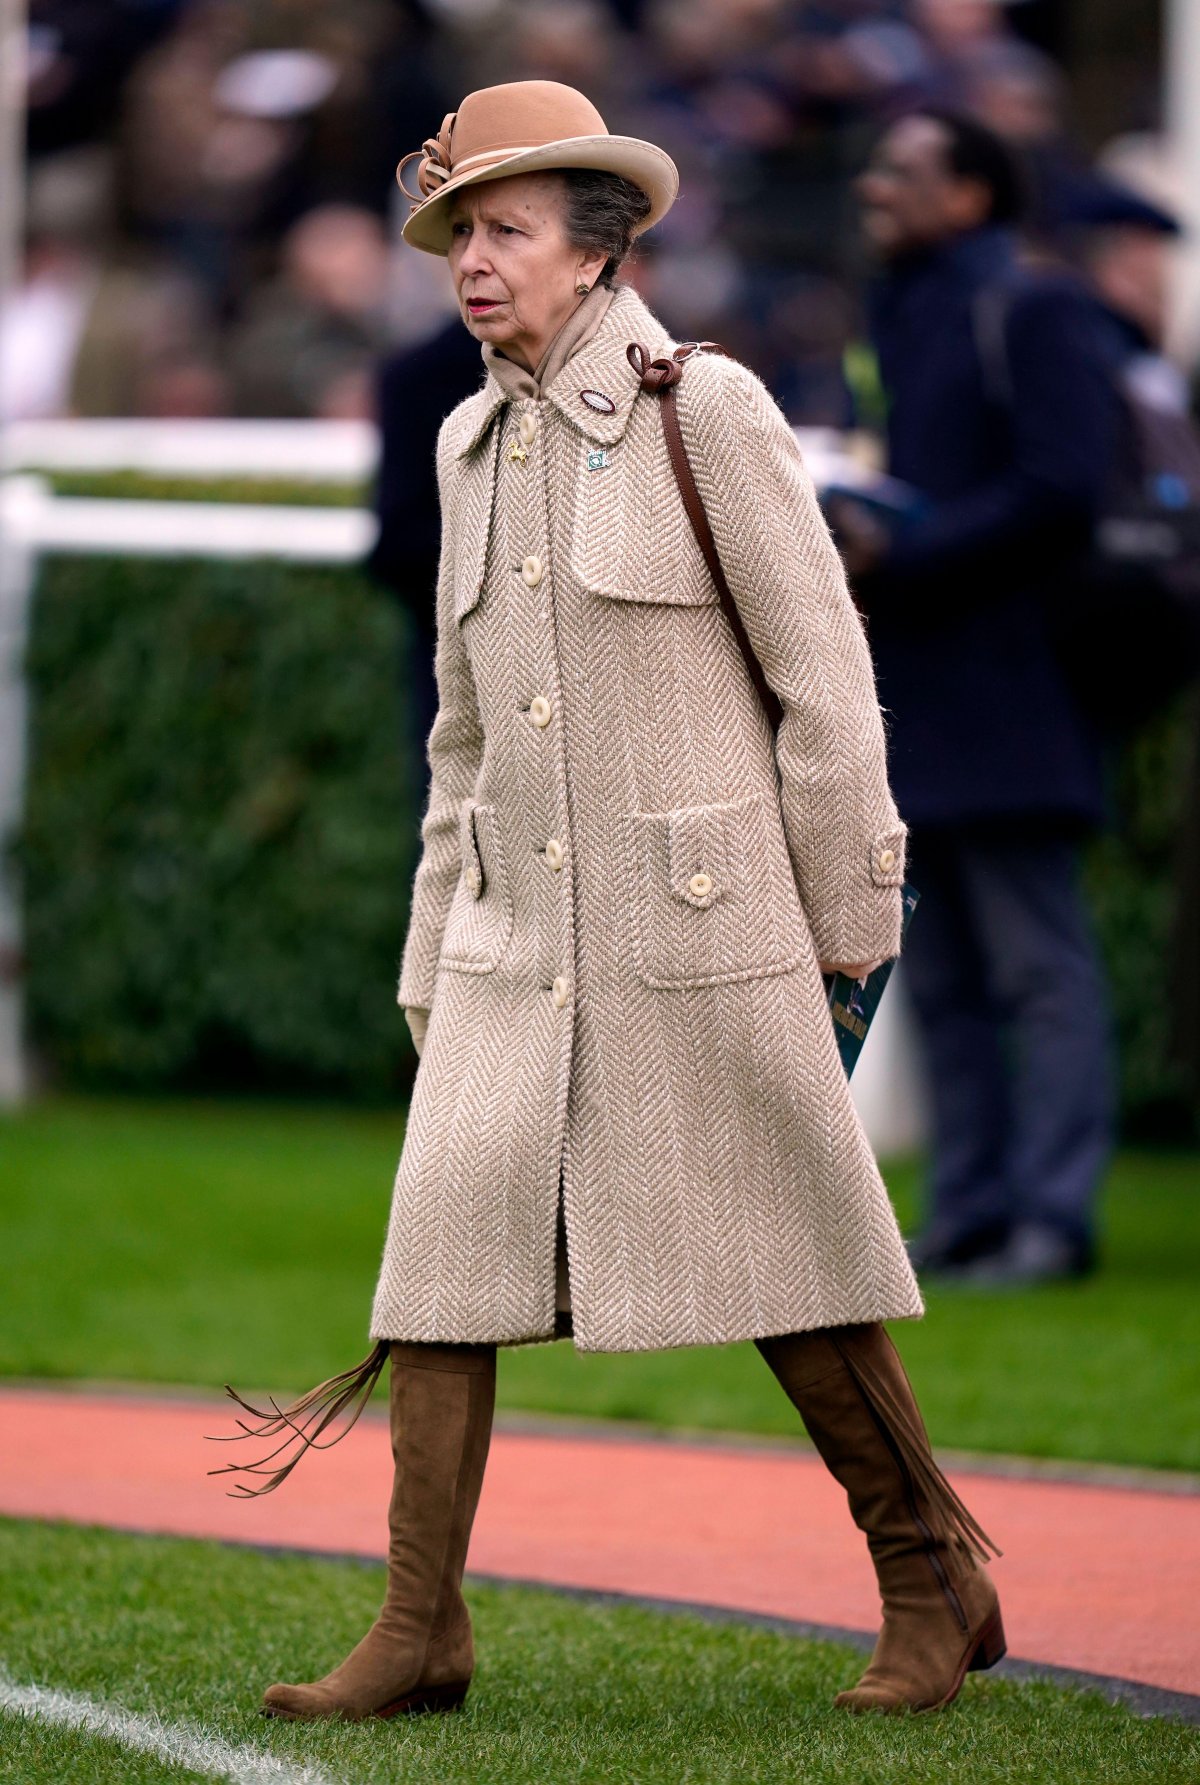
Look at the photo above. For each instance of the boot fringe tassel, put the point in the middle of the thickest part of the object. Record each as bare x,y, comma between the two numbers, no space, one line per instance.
322,1405
958,1527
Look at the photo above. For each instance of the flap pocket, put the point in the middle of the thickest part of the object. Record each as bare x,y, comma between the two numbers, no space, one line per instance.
632,538
697,854
713,894
480,920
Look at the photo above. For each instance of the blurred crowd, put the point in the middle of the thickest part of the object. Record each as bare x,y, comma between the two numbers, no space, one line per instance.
211,207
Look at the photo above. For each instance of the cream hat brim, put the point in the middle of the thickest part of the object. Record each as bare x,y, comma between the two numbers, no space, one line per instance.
648,166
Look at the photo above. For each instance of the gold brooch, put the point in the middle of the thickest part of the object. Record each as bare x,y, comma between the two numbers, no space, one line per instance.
516,453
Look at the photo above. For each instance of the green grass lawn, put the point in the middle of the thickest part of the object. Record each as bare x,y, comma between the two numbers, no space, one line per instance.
564,1691
205,1242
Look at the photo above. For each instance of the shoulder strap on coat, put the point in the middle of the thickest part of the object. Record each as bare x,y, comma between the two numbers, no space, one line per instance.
660,376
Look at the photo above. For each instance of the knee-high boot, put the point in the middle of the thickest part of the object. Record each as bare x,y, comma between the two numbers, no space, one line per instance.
941,1613
419,1653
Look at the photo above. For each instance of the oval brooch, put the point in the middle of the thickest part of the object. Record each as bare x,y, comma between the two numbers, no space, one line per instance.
596,399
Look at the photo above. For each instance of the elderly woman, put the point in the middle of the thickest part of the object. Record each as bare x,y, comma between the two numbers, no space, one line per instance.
629,1121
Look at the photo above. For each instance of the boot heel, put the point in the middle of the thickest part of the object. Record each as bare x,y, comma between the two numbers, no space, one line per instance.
427,1699
991,1646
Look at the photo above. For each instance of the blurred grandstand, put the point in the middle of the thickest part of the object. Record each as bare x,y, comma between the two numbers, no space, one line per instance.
210,206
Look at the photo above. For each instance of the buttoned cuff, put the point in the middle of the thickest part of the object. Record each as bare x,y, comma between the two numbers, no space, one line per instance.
865,923
887,857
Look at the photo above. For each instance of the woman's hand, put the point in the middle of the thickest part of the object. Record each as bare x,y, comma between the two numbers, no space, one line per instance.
418,1022
856,970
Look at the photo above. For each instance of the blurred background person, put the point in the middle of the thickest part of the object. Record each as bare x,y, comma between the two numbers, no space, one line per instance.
416,389
97,328
995,768
310,339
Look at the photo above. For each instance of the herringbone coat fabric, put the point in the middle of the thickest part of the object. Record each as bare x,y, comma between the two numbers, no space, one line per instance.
627,883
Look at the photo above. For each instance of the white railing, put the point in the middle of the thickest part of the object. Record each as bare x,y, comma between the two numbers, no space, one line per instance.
317,451
44,522
887,1084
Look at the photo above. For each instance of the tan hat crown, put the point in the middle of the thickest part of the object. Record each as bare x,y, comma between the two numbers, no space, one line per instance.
494,124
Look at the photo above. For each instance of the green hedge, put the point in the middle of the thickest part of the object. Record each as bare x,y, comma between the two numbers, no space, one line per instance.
1133,875
148,486
221,826
222,829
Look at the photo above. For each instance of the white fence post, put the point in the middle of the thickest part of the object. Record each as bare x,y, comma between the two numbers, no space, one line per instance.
16,586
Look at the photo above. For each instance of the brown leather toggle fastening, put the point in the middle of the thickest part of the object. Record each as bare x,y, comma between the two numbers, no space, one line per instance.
655,374
660,374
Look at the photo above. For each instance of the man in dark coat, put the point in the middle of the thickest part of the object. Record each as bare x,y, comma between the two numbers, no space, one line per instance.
417,388
994,767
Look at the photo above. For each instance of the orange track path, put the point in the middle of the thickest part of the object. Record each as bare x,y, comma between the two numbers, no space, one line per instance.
1099,1578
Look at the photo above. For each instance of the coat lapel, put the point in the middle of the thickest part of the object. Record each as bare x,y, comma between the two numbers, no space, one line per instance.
602,368
474,416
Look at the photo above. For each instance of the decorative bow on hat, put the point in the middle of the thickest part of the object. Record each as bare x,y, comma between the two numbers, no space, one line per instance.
434,169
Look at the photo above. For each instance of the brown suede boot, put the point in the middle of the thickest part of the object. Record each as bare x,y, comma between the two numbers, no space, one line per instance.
418,1655
941,1614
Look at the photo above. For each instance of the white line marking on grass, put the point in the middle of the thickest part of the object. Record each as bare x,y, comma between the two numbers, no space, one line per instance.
183,1744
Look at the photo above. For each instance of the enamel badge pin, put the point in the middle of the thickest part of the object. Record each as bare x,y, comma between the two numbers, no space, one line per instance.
596,399
598,460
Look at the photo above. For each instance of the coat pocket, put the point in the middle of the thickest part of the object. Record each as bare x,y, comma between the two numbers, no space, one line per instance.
632,539
714,897
480,920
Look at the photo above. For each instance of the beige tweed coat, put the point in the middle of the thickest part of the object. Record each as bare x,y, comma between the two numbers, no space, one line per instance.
627,883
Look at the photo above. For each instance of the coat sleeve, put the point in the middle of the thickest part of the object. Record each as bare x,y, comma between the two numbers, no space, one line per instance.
454,751
844,834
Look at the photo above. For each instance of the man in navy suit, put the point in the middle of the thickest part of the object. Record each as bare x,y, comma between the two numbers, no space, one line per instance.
994,767
417,388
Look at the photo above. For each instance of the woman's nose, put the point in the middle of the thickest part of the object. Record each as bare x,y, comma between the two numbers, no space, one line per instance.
472,258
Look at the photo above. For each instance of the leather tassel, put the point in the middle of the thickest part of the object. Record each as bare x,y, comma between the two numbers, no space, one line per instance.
958,1526
303,1420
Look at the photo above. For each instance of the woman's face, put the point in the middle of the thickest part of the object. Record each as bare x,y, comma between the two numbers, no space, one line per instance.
514,270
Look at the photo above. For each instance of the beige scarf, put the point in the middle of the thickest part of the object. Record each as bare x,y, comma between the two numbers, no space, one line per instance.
579,328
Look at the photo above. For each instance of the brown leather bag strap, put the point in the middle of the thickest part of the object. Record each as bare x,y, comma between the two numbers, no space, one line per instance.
660,376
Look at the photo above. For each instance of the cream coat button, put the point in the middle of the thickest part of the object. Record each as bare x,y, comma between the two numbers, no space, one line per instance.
700,885
554,853
887,860
539,710
531,572
527,428
559,992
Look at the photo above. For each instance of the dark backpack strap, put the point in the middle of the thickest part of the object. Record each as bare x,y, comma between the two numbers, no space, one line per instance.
660,376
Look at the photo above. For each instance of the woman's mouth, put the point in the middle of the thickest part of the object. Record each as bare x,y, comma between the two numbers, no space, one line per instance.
481,306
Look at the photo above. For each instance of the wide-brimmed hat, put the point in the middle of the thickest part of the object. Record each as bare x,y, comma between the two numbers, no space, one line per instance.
521,127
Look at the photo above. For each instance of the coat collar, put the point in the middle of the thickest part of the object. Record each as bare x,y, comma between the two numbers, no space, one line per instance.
600,365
